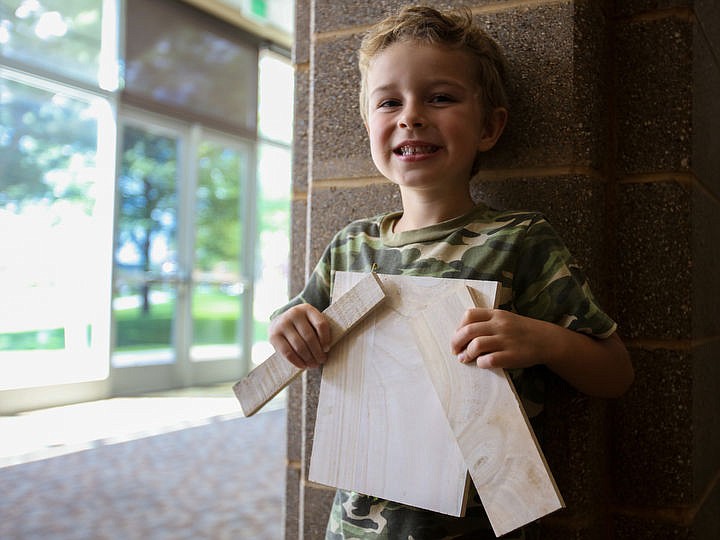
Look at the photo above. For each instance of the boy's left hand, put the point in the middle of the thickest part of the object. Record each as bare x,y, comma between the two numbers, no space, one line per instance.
495,338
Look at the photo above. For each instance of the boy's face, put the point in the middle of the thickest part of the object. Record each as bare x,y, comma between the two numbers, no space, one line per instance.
425,121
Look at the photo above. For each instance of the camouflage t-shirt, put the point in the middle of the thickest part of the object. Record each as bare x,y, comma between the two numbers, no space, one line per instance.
539,279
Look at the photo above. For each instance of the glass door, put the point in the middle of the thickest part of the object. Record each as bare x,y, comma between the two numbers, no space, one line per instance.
182,258
221,285
146,277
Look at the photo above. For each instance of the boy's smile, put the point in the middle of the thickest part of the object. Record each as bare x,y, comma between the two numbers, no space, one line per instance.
415,149
425,120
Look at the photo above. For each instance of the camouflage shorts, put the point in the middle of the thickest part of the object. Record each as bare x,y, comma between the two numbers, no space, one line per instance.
356,516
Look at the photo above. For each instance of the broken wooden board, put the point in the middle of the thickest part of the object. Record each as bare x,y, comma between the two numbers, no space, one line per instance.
380,428
266,380
489,424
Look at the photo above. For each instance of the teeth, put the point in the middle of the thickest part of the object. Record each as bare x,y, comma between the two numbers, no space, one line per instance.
412,150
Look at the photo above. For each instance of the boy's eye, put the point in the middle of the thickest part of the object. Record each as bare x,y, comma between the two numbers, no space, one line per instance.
441,98
388,103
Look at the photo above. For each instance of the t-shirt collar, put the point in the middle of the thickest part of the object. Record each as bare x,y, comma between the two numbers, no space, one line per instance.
424,234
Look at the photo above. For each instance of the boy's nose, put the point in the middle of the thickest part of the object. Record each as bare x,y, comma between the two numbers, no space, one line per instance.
411,118
411,123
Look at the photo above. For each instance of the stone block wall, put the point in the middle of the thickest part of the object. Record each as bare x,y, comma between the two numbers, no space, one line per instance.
615,136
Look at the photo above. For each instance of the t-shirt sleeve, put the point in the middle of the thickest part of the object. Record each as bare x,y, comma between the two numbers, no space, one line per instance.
346,251
317,288
551,286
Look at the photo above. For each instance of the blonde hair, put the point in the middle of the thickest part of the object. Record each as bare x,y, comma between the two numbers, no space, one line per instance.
453,29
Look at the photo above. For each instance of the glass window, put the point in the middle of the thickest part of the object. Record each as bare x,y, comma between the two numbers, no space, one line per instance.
273,244
274,172
187,215
275,99
276,13
56,215
71,38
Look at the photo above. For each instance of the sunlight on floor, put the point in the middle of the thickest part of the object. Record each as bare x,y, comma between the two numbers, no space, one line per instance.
61,430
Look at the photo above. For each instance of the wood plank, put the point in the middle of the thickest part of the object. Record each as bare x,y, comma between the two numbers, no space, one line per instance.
489,423
275,373
380,427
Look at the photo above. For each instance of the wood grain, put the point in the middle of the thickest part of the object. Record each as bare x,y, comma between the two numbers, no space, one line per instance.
488,422
380,427
266,380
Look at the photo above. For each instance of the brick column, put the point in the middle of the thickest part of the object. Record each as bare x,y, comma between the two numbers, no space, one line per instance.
666,451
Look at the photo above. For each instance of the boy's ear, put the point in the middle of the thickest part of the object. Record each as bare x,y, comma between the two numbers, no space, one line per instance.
494,126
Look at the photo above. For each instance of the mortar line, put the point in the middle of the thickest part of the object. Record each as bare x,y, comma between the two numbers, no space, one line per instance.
682,514
481,10
483,176
670,344
687,179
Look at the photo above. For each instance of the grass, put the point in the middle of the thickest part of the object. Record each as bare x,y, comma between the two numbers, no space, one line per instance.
215,321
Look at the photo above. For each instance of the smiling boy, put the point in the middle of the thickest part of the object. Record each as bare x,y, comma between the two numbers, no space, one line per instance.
432,100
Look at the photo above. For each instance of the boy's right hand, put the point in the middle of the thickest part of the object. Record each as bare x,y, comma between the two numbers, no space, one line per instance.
301,335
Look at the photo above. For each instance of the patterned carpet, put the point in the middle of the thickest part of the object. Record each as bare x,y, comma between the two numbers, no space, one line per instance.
223,479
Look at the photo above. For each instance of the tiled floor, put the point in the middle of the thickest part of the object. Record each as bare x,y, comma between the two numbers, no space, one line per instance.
61,430
180,466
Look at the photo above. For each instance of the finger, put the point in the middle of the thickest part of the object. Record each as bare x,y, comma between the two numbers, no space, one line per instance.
284,349
287,339
465,334
278,335
322,329
480,346
464,358
486,361
306,343
474,315
496,359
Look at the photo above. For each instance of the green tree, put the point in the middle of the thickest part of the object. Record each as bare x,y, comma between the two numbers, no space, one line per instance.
148,198
218,210
45,142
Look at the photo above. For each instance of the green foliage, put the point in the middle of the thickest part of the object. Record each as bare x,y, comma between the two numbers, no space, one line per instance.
56,35
147,190
52,339
46,141
218,208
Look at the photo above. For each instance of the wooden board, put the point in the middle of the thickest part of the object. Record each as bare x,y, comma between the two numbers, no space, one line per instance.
380,428
488,423
266,380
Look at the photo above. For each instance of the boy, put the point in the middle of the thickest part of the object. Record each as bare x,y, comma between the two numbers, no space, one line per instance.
432,100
